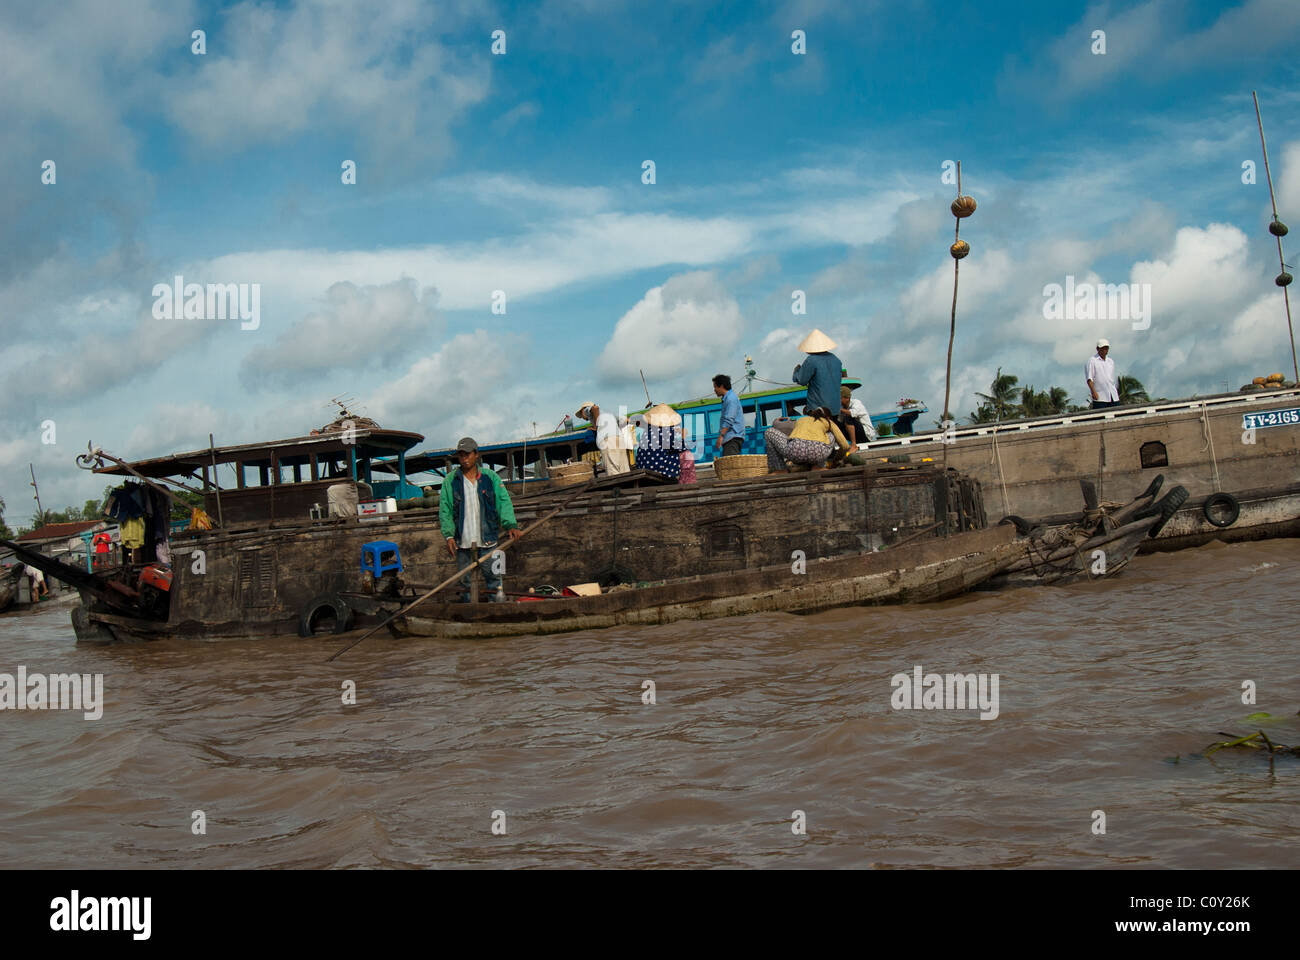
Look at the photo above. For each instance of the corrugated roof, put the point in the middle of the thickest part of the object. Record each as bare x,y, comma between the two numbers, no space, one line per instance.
60,530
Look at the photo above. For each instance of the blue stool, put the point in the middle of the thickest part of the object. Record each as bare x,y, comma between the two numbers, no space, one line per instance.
372,557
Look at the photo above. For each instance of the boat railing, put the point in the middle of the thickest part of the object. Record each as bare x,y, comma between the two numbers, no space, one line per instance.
1127,412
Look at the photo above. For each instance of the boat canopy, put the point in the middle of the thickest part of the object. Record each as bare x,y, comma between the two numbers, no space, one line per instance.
360,444
510,460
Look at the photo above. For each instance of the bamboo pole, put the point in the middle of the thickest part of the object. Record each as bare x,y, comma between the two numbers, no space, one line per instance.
1286,297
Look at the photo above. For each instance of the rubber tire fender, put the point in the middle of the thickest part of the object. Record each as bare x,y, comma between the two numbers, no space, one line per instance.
1154,487
1228,500
1021,524
1166,507
342,614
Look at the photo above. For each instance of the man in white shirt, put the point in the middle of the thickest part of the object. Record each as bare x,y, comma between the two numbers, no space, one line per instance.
39,589
609,438
1100,372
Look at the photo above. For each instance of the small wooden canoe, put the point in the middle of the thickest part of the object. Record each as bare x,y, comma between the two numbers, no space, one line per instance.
923,570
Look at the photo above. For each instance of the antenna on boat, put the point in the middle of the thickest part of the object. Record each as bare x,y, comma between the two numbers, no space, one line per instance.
750,373
648,401
1279,230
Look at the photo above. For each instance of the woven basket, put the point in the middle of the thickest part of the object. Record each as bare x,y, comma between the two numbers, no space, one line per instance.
571,474
740,466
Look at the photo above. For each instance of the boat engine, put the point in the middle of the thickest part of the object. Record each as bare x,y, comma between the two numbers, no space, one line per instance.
155,591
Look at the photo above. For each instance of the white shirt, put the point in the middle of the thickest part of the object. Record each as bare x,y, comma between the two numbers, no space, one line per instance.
609,440
1102,374
34,573
471,528
858,411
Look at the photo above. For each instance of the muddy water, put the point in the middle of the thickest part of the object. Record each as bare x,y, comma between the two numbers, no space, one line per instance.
1108,694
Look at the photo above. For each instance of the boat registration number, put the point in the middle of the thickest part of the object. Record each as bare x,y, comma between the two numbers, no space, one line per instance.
1270,418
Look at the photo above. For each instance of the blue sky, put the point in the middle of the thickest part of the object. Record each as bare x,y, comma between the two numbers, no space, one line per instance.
521,172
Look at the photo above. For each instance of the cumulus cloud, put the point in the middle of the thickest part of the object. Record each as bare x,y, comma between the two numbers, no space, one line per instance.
1069,68
1288,185
691,316
272,73
353,325
468,386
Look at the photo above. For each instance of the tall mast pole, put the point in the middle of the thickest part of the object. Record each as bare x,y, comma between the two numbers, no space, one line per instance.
1278,229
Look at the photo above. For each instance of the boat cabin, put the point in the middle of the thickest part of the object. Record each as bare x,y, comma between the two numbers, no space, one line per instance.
286,479
520,464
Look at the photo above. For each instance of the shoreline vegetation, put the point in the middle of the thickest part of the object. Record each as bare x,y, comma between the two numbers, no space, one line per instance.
1006,400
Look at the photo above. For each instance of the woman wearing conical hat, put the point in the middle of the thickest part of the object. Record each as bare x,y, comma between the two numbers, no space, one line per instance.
660,448
821,372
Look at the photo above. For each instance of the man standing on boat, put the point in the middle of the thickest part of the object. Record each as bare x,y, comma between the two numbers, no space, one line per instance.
821,372
731,431
473,507
1100,372
609,438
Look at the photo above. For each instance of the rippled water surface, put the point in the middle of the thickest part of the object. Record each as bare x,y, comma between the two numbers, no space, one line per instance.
1109,694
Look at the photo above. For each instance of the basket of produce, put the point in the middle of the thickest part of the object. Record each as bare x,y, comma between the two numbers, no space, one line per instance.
740,466
571,474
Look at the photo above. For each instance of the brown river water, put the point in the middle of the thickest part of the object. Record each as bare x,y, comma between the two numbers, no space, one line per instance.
1108,695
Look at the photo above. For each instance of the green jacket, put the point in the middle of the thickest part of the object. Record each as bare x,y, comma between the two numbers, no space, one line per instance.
495,509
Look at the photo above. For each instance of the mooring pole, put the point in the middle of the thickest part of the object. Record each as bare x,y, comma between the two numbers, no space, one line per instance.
1278,229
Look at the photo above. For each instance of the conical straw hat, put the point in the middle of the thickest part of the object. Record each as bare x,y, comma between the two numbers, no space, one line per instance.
817,342
662,415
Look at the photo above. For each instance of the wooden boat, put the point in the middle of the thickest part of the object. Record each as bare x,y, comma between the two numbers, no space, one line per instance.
9,578
272,564
1237,454
922,570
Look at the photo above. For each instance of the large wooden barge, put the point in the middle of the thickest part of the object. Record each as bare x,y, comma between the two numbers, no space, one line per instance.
269,560
1237,454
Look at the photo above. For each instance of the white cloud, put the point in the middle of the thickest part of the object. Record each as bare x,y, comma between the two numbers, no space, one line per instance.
469,386
272,73
353,325
672,329
1287,187
1150,41
466,274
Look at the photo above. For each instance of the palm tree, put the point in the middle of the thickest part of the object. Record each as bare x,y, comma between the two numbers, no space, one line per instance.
1034,403
1131,390
1002,397
1059,400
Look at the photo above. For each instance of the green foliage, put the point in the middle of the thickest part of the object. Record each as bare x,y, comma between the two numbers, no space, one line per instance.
5,532
1131,390
1005,401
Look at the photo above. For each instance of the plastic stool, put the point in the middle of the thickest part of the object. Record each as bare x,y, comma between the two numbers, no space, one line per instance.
372,557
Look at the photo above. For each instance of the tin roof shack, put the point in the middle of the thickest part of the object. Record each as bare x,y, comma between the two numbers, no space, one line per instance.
283,479
61,541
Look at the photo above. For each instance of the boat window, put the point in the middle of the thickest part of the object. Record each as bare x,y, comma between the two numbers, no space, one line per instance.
711,420
1153,454
750,418
794,408
724,541
770,413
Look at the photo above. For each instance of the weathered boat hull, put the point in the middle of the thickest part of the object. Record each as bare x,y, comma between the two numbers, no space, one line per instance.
1032,468
258,581
922,571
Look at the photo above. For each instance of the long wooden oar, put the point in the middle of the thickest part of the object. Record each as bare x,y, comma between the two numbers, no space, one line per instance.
460,573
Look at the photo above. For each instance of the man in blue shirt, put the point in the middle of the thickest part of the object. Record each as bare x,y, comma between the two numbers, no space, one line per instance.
731,432
822,372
